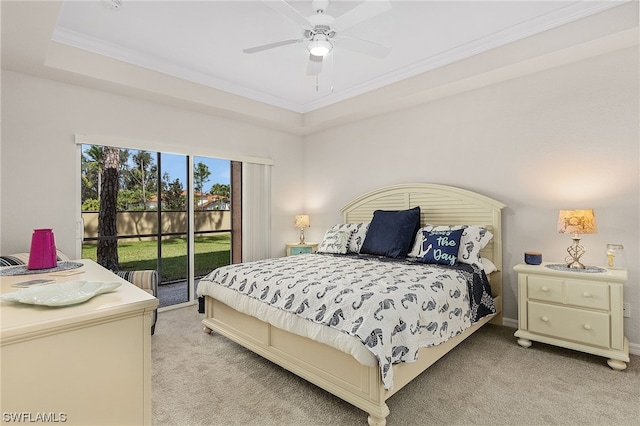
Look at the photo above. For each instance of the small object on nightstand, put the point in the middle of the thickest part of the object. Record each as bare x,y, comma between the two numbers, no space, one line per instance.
297,248
615,256
574,309
532,257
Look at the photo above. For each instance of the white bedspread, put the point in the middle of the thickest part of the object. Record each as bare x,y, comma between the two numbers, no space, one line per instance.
393,308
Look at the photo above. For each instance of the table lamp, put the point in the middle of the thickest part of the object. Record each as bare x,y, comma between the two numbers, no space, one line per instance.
302,221
576,222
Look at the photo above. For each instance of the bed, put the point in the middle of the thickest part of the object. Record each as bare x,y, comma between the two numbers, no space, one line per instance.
341,361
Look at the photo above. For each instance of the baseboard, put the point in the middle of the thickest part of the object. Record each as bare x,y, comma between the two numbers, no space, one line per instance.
510,322
634,348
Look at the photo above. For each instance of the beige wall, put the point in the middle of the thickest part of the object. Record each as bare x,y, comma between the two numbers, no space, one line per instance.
563,138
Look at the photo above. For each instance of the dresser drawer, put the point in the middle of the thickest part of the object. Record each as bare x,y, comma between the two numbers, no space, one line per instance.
588,295
587,327
544,288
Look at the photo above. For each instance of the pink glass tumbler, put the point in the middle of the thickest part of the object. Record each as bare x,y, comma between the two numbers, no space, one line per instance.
43,250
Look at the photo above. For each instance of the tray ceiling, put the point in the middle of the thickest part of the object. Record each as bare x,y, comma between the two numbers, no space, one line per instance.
203,41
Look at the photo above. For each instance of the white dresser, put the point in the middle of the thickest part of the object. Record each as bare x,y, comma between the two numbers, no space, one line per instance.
575,310
84,364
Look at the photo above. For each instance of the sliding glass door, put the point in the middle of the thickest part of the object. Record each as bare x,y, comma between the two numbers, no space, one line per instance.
173,215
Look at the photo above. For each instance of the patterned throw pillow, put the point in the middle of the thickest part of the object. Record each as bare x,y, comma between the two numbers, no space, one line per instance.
335,242
441,246
474,238
357,233
14,259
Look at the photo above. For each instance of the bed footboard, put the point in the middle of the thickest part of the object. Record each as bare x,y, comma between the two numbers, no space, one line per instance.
326,367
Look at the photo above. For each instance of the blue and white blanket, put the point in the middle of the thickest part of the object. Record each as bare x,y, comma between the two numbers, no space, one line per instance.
394,307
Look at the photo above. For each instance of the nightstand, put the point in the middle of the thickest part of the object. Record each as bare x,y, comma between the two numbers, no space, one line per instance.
575,310
297,248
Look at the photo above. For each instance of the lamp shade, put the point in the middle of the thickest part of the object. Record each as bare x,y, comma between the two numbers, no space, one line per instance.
320,45
577,222
302,221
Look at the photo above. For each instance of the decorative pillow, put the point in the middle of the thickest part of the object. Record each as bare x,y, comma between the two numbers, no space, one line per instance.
357,232
416,250
334,242
391,233
14,259
474,238
23,259
441,246
488,266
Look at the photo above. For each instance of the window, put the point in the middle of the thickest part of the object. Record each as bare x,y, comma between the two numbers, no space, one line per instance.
173,213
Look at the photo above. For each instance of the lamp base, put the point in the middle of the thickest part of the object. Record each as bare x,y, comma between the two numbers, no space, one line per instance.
575,253
301,236
575,265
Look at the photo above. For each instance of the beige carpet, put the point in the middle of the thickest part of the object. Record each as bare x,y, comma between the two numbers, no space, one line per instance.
201,379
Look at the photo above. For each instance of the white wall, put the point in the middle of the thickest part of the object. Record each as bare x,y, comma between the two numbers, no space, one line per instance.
39,157
564,138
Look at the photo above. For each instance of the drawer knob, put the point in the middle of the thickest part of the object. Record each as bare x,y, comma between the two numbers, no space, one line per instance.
586,294
545,319
587,327
544,288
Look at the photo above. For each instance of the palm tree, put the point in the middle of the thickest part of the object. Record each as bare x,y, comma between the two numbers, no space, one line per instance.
94,163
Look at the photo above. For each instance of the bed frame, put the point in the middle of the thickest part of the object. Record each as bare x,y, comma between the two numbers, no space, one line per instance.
336,371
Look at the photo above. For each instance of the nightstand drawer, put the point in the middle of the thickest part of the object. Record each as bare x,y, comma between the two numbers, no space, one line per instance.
300,250
297,248
589,295
587,327
544,288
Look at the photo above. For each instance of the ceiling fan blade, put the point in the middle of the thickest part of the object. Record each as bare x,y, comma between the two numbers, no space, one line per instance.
361,13
272,45
315,65
367,47
290,12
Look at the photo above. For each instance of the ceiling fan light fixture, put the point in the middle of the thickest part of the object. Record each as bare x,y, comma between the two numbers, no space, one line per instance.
320,46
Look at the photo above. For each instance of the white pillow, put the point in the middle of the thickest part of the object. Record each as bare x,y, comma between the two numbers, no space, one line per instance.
488,266
474,238
357,232
334,241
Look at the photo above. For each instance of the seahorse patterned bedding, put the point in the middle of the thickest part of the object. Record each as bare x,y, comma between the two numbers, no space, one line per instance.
393,306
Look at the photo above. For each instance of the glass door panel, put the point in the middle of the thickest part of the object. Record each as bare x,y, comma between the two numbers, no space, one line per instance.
212,214
173,214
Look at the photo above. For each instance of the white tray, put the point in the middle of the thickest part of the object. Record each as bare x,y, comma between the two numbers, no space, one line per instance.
62,294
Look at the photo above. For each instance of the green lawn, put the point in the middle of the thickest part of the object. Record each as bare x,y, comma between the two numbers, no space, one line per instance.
210,253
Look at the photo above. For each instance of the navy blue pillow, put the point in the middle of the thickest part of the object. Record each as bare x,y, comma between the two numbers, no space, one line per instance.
391,233
441,246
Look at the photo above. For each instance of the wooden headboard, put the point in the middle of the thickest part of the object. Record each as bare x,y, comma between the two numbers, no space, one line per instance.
439,205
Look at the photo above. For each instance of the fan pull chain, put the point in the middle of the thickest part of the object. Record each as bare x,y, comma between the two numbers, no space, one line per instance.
332,71
317,85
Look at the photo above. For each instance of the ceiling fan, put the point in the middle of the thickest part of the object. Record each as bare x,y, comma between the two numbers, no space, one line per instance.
322,31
